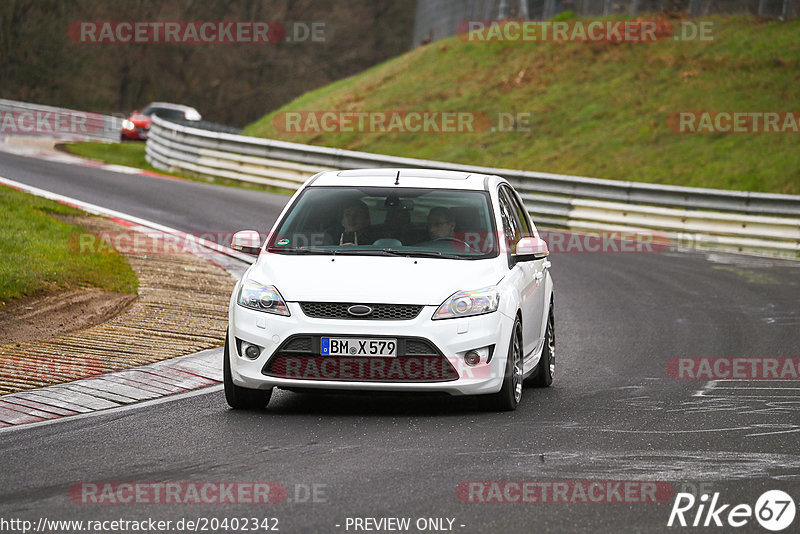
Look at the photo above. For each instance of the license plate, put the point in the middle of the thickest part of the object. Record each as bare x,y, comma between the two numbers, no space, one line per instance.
351,346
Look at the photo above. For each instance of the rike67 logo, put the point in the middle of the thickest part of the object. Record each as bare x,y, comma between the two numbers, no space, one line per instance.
774,510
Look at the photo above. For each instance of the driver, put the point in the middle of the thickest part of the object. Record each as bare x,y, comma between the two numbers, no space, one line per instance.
441,223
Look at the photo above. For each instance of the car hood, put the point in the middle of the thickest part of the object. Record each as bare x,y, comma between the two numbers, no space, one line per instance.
370,279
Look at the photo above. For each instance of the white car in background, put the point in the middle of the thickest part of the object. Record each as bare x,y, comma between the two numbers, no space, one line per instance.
394,280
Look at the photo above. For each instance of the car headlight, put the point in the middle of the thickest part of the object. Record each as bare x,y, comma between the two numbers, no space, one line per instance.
257,296
467,303
128,125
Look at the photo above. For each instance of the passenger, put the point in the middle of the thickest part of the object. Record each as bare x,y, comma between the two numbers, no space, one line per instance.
354,226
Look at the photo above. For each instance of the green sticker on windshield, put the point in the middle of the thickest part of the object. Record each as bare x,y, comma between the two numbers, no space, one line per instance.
282,242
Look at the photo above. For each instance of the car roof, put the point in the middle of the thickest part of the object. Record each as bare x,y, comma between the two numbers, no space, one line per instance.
167,105
421,178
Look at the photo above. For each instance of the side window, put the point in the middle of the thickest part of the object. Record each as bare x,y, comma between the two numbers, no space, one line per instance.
510,225
522,215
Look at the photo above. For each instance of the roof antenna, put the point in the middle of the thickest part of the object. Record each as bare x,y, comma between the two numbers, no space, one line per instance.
397,179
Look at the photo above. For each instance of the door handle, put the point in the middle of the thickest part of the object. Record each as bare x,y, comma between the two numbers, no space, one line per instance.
546,264
538,275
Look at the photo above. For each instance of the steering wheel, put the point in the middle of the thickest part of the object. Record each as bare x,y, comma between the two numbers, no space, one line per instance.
455,239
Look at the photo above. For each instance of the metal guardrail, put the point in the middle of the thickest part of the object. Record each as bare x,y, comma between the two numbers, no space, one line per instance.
209,126
22,118
733,220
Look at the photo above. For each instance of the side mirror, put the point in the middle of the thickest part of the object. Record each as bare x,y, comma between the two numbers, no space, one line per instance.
531,248
247,241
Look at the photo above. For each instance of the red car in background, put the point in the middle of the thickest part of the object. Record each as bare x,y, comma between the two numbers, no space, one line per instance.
137,126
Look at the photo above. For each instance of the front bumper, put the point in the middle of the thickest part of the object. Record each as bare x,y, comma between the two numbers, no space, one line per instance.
135,134
451,338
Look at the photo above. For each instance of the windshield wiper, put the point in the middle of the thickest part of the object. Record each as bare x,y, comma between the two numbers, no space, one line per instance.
302,251
427,254
399,253
368,252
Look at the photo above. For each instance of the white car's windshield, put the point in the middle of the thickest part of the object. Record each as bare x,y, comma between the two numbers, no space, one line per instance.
388,221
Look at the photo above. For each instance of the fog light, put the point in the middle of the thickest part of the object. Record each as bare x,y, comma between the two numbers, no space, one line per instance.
250,350
472,358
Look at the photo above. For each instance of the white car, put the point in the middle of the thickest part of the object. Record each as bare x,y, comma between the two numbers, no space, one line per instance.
394,280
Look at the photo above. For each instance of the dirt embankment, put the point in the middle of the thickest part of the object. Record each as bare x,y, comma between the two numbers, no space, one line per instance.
60,312
181,308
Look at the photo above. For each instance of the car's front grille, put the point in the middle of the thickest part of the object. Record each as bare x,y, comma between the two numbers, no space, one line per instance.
419,347
299,344
417,360
338,310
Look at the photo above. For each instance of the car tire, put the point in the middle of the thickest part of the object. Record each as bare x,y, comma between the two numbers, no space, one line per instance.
237,397
543,377
510,394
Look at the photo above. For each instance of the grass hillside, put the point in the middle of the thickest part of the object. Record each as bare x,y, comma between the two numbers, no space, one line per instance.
598,109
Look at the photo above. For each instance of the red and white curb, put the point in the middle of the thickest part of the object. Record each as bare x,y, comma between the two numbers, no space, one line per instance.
114,390
61,157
